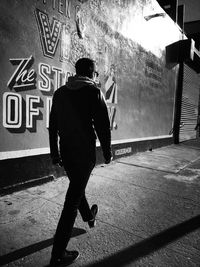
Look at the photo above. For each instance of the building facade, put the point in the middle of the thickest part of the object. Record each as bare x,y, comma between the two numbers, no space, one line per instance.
40,42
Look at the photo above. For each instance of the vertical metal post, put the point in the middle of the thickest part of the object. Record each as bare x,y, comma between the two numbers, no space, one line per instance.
178,102
198,120
181,16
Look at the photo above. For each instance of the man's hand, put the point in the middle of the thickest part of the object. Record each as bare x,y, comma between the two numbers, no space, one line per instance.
57,161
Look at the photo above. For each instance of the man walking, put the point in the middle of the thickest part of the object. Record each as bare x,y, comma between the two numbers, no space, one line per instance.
78,113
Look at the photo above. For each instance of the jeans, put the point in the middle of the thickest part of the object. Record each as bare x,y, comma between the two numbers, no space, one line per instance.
78,174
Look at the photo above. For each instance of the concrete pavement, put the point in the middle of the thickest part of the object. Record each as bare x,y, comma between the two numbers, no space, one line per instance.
149,214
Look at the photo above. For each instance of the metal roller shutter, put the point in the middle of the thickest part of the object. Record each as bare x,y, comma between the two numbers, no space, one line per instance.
190,102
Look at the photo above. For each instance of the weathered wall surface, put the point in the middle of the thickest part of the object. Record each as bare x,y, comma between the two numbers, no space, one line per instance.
40,41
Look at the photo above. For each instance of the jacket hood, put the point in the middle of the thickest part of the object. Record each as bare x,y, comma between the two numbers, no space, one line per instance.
77,82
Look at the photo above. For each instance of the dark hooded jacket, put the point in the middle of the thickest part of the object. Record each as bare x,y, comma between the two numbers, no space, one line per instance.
78,113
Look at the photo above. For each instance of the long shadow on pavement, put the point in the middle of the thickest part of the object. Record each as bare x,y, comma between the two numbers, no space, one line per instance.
23,252
149,245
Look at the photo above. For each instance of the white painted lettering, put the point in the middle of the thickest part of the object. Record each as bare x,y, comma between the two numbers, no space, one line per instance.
48,109
12,110
45,83
31,111
22,77
58,77
123,151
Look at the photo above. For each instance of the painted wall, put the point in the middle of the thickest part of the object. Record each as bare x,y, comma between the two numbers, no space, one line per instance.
40,41
192,9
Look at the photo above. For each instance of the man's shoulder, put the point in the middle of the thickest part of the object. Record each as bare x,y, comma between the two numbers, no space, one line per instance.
60,91
91,87
86,90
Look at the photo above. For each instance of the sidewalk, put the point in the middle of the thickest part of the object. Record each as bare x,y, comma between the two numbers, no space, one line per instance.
149,214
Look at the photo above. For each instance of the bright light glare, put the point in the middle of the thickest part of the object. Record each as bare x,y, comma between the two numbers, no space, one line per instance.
153,34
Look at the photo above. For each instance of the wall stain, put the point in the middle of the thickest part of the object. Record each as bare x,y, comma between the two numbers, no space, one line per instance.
14,212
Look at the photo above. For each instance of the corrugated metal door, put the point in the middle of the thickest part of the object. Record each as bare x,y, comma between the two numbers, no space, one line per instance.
190,102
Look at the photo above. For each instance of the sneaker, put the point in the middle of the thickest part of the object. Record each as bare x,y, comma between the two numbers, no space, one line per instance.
94,210
67,258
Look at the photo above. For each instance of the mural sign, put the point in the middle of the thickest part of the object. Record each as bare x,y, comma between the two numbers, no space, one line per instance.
41,42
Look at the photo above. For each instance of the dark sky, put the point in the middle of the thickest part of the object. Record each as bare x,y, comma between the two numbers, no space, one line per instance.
192,9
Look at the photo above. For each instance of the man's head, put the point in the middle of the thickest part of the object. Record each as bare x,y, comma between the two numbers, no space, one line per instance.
85,67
